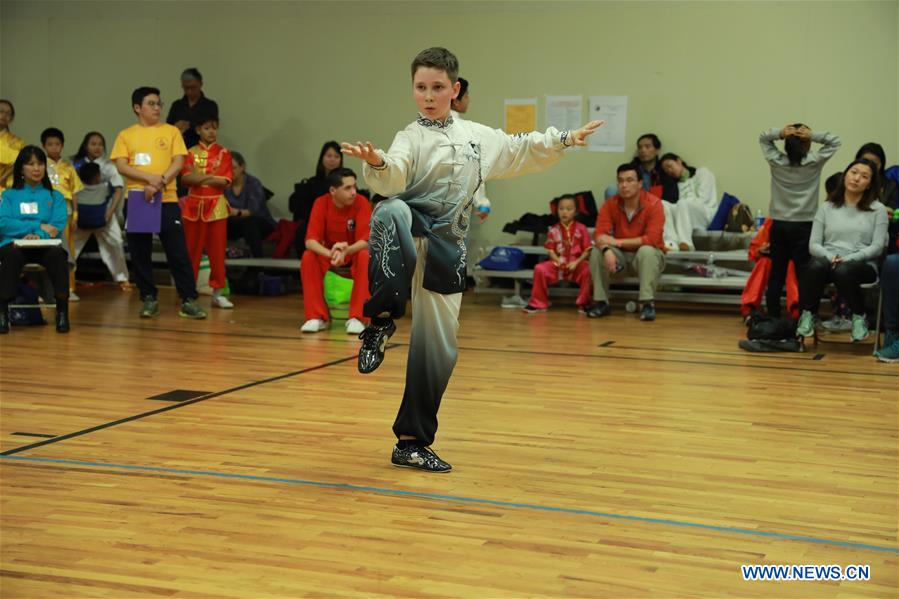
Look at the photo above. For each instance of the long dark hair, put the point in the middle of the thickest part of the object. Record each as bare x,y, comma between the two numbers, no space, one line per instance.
838,196
25,155
673,156
81,154
329,145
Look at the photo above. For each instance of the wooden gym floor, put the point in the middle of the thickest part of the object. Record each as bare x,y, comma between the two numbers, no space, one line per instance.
608,458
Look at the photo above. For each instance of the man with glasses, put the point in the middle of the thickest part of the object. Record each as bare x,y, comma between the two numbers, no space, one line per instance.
150,154
628,237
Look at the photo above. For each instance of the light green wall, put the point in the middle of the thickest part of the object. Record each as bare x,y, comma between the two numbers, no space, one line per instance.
707,77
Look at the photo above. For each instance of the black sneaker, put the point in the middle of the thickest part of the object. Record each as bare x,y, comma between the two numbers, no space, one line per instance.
648,312
374,343
599,310
417,456
529,309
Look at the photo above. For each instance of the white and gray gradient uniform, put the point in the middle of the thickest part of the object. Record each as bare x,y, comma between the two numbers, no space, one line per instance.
430,175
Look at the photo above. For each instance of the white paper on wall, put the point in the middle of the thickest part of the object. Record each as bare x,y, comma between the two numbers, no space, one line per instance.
611,136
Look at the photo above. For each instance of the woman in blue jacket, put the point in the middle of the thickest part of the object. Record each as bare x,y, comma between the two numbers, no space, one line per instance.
31,211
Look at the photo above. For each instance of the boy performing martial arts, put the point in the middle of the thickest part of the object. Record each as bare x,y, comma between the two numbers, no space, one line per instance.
429,177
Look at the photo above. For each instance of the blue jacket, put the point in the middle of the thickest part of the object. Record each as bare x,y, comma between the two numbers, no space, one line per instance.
23,211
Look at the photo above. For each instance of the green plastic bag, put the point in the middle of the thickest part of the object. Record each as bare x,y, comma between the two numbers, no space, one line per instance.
337,294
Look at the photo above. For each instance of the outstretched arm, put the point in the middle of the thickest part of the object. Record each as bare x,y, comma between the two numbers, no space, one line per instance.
385,173
514,155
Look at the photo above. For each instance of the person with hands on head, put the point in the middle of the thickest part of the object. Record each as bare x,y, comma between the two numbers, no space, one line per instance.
430,176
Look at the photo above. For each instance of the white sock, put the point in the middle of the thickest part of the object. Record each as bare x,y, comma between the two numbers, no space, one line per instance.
216,293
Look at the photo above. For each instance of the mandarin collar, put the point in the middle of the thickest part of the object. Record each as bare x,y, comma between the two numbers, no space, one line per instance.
433,123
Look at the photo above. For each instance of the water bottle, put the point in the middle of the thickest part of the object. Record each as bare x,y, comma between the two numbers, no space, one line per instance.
630,307
759,218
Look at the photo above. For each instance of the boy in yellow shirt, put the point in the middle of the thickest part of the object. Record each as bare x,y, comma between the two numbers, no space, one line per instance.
149,155
66,181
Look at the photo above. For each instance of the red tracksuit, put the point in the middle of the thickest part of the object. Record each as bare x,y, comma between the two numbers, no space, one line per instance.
329,225
568,243
758,278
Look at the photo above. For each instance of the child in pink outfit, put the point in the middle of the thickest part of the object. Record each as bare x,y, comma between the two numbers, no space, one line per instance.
569,247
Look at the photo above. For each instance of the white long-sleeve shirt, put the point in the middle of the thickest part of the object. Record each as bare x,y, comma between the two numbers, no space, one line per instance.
436,168
701,188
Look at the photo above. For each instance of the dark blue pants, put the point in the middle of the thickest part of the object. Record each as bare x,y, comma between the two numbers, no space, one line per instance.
171,234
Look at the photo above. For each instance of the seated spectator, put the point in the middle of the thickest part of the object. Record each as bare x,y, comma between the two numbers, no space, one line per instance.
337,236
848,234
10,144
250,218
307,191
759,252
696,204
97,218
889,190
654,180
32,210
889,283
93,149
628,237
569,246
185,110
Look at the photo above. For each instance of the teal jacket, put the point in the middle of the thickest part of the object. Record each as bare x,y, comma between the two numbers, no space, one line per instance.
23,211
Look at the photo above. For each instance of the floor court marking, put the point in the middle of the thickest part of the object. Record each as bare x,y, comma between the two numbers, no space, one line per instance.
456,498
175,406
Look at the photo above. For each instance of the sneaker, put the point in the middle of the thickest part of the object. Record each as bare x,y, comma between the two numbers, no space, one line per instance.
599,310
354,326
859,328
220,301
889,353
529,309
418,456
890,337
806,325
583,310
150,307
374,344
191,309
314,325
73,297
648,312
837,323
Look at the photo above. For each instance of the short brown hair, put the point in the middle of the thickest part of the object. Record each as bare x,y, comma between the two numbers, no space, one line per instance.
438,58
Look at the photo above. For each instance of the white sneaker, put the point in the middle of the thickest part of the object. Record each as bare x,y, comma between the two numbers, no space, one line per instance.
314,325
354,326
73,297
220,301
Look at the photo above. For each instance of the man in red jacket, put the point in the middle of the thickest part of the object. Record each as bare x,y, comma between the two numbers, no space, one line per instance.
628,237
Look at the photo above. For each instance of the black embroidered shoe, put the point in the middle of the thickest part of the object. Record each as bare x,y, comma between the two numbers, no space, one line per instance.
416,456
374,343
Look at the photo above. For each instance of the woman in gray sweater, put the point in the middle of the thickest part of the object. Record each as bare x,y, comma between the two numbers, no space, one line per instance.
849,233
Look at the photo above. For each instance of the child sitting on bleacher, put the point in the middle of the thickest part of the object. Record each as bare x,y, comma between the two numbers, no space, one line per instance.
569,245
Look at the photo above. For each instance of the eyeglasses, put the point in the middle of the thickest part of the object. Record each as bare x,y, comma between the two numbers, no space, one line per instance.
152,104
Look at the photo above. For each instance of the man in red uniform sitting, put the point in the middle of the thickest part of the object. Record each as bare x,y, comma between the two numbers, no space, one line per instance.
337,236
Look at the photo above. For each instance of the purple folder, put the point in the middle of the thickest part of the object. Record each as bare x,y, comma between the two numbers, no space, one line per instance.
143,216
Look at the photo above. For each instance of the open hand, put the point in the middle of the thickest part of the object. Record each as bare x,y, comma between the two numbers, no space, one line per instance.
610,261
579,136
363,150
